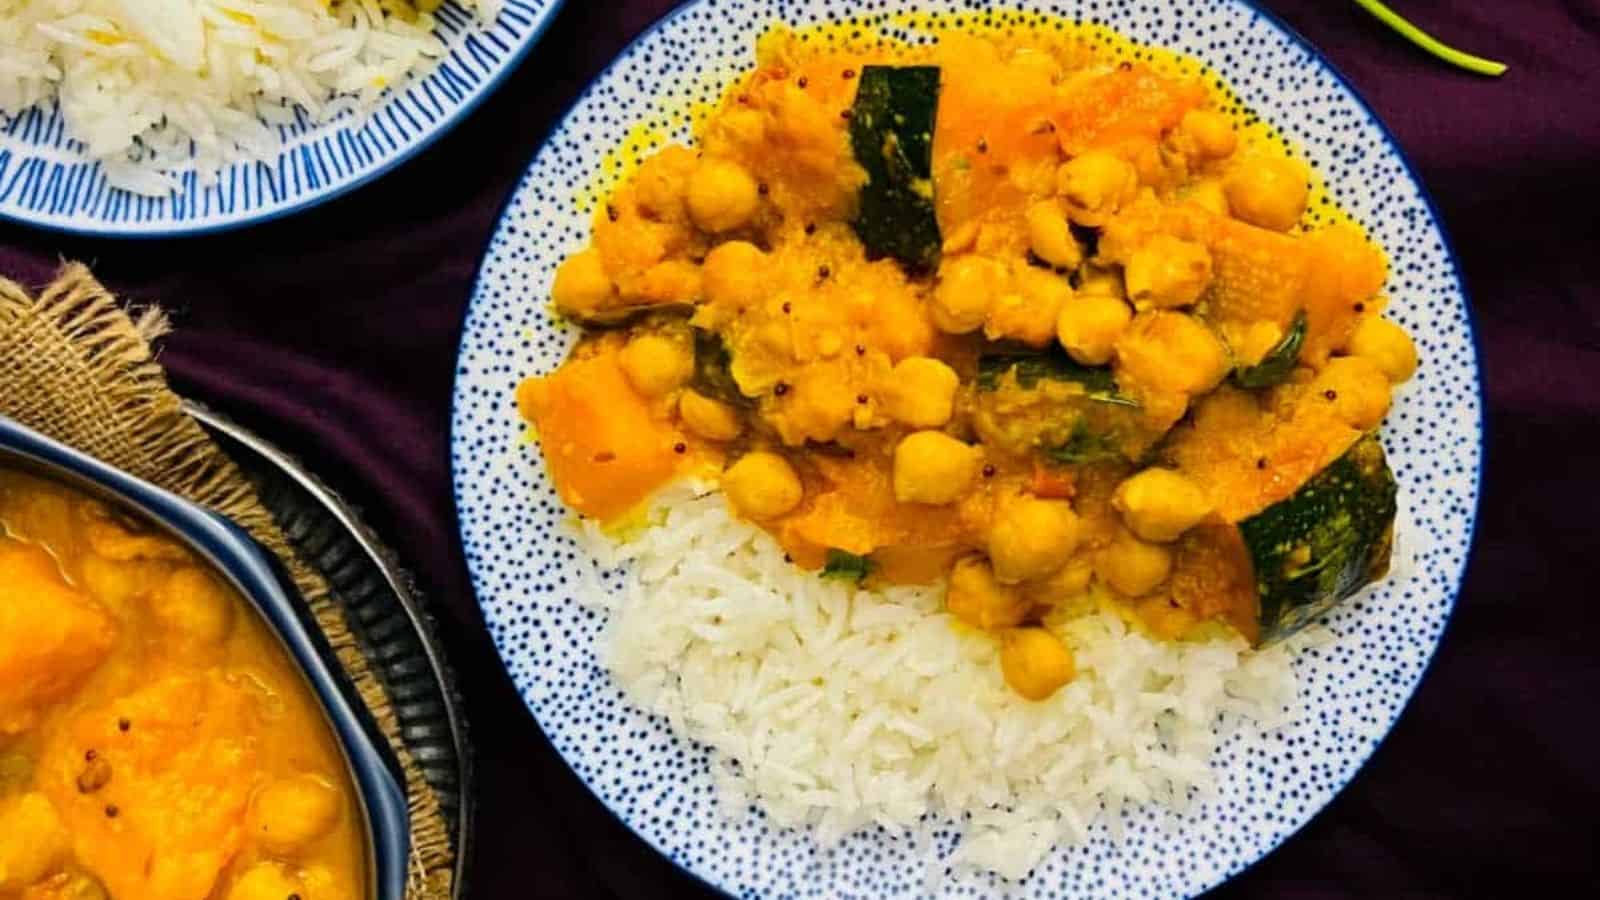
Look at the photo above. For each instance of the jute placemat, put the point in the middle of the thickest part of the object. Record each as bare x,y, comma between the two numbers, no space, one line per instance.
78,365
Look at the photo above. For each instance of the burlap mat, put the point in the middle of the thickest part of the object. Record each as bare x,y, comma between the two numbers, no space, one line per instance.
78,366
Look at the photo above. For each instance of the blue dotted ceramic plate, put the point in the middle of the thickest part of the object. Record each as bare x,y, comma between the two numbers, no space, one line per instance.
526,570
46,180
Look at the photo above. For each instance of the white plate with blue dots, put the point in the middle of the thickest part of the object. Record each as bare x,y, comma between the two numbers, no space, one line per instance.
525,569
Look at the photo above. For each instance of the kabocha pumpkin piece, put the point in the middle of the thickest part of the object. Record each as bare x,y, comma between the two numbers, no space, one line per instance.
51,635
1328,540
605,450
891,133
1213,577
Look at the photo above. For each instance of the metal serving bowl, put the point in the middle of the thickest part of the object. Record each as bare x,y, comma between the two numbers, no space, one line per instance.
253,573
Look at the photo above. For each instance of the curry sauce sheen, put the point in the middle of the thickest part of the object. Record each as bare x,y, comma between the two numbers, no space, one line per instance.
156,742
1128,336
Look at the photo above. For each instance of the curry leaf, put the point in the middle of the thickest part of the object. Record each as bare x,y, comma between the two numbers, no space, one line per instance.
713,370
1275,367
1084,446
843,565
1031,366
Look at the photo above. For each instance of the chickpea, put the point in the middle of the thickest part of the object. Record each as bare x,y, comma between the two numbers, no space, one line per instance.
1270,193
265,881
921,392
1153,167
1160,504
1387,345
1065,584
1088,327
1167,272
819,404
933,467
1050,237
320,883
1172,352
722,195
1031,538
1095,185
290,813
960,302
656,365
962,239
70,884
742,127
975,597
1132,567
762,485
734,275
1035,662
1211,132
1029,313
581,286
659,185
1209,195
32,841
191,604
1106,282
1357,390
672,281
708,418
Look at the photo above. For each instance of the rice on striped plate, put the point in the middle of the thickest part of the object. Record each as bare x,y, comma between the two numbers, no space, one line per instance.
150,88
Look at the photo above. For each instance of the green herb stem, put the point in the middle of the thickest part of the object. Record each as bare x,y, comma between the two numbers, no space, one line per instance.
1429,43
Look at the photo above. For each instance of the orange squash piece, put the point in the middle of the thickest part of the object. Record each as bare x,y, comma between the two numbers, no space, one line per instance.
1126,103
1259,275
1251,451
51,636
1212,577
167,814
605,451
1344,271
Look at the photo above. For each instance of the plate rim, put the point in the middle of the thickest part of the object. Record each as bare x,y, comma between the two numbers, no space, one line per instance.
1474,335
446,124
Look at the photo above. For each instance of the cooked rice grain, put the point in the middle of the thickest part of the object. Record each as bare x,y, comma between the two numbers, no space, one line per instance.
839,709
154,88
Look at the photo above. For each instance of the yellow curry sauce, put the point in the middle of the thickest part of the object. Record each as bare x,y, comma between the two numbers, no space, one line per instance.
156,742
1094,217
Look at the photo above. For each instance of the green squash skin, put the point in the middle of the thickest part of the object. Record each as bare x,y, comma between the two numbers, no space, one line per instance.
891,135
1032,365
1100,416
1324,543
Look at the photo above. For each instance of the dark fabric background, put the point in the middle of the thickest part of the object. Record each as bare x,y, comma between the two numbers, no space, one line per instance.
334,333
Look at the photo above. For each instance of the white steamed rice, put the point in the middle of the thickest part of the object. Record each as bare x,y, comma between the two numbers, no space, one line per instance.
839,709
141,82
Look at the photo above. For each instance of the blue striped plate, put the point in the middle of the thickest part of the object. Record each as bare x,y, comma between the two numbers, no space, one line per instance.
47,181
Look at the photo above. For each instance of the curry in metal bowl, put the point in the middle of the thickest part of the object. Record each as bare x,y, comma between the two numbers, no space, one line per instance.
156,740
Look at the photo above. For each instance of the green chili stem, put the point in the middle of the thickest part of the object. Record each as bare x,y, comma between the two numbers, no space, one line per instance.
1429,43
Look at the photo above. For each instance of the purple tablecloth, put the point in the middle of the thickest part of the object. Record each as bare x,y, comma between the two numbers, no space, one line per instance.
334,332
